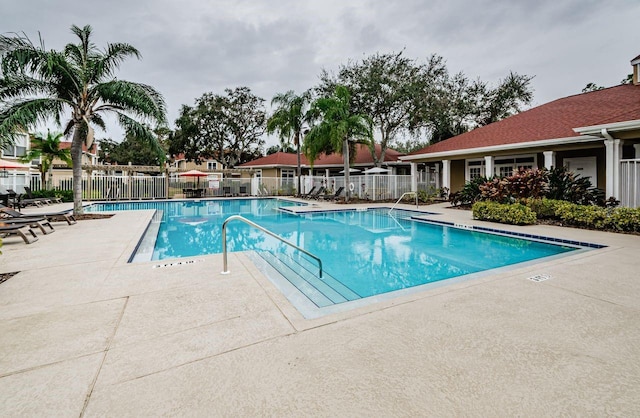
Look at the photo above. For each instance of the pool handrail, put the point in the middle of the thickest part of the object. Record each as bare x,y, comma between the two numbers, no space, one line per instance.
266,231
402,197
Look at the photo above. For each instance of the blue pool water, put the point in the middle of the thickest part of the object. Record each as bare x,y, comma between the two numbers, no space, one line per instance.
364,253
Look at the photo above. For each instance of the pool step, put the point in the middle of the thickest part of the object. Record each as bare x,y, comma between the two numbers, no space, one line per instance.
303,275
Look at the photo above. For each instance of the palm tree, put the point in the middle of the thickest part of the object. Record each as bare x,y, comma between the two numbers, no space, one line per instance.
74,87
338,129
47,148
289,119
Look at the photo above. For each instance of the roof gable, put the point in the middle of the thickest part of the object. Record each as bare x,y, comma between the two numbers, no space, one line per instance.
363,157
553,120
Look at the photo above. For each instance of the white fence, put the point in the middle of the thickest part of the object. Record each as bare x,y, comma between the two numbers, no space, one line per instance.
372,187
366,187
630,183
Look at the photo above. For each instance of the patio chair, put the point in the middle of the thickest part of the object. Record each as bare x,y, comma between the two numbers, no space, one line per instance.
334,196
46,200
317,194
19,201
33,223
226,191
61,216
16,229
243,191
306,195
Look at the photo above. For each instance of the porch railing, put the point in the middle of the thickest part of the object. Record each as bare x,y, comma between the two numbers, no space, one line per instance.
630,183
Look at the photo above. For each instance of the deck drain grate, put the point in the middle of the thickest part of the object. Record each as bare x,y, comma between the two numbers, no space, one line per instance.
177,264
539,277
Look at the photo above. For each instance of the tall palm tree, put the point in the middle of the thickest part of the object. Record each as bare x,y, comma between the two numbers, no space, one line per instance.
47,149
337,130
288,120
75,87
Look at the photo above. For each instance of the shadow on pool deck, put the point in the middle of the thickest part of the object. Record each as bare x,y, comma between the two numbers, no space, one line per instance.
83,332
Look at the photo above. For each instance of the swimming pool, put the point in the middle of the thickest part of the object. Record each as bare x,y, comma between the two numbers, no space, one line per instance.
364,252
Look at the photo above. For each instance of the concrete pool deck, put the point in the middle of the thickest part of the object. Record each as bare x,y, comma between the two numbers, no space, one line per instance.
84,333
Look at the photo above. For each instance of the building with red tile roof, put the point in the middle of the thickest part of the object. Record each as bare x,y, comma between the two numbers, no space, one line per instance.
279,163
591,133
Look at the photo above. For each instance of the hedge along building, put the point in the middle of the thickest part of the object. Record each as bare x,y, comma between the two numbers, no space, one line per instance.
595,134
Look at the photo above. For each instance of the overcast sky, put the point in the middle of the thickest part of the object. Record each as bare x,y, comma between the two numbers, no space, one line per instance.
190,47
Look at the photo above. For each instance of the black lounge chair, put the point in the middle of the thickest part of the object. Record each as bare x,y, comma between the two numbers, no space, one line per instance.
45,200
334,196
317,194
33,223
306,195
243,191
226,191
16,229
61,216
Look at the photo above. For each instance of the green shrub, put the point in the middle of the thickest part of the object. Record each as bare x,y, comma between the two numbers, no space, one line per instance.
65,195
544,208
569,186
470,192
588,216
624,219
515,214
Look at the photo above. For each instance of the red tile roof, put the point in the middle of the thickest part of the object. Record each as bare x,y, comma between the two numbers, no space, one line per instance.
363,157
67,145
276,159
552,120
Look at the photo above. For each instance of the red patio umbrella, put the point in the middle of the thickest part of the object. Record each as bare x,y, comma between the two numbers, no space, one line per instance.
11,165
194,173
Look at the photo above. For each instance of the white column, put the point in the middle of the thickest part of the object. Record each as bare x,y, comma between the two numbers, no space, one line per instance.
637,148
613,148
488,166
437,171
446,174
414,177
549,159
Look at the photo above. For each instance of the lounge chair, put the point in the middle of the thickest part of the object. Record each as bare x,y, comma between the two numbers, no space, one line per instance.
46,200
226,191
334,196
64,215
317,194
39,223
16,229
243,191
306,195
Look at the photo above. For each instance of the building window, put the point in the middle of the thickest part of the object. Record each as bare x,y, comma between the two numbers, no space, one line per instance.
505,171
287,176
506,166
475,169
475,172
212,165
19,149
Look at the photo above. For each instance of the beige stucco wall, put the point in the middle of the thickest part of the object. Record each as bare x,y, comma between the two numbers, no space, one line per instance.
457,175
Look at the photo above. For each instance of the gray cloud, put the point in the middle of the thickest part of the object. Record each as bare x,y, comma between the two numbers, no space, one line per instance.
191,47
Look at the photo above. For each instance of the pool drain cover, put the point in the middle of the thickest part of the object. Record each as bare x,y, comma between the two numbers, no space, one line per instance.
540,277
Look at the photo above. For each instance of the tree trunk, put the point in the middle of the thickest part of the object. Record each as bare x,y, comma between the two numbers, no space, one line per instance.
76,158
49,177
346,170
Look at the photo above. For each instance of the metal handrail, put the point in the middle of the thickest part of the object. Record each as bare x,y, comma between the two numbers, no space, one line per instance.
403,195
266,231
